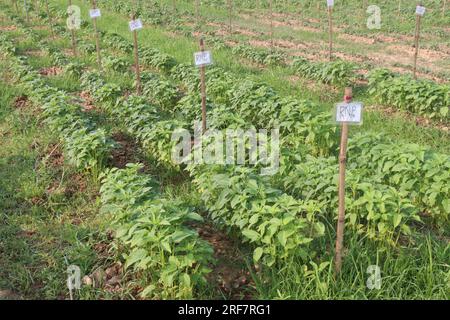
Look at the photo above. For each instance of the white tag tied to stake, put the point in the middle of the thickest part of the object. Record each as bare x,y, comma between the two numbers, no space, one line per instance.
330,3
203,58
350,113
95,13
420,10
135,24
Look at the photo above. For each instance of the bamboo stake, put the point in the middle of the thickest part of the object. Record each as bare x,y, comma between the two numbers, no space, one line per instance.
342,164
203,88
230,13
97,37
416,42
25,5
330,27
49,17
74,41
197,15
136,58
271,25
37,7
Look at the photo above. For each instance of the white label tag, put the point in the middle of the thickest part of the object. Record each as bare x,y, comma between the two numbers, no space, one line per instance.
203,58
95,13
420,10
330,3
350,113
135,24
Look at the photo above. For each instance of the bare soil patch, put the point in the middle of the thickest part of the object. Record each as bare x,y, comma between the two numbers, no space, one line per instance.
51,71
229,274
35,53
21,102
52,155
8,28
126,151
87,103
6,294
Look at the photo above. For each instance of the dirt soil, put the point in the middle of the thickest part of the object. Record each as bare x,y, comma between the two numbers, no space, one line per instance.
51,71
126,152
21,102
87,103
8,28
230,274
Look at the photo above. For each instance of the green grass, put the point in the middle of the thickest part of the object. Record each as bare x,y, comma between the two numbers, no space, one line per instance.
36,230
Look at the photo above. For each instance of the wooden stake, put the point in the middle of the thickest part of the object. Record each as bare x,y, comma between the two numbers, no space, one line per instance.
342,164
97,37
203,88
37,6
49,17
16,6
444,8
74,41
416,42
230,13
271,25
25,5
197,14
136,59
330,27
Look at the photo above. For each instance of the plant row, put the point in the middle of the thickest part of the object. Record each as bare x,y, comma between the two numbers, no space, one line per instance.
155,235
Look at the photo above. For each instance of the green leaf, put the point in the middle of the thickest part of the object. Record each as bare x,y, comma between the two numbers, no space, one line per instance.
186,280
166,246
180,235
147,291
282,237
195,216
251,234
397,220
320,228
257,254
446,205
135,256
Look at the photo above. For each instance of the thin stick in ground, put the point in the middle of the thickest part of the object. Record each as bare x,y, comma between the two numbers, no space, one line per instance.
97,37
203,89
342,164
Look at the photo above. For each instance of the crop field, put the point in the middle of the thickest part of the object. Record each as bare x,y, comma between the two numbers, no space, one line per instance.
198,149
